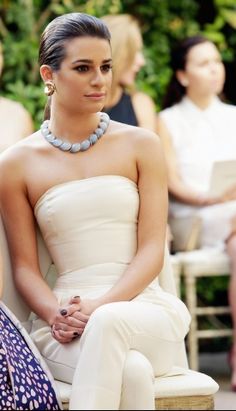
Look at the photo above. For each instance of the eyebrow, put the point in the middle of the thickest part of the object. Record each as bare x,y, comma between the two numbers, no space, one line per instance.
90,61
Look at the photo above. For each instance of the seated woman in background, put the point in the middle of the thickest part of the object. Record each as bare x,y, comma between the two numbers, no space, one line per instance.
125,103
12,131
25,381
198,129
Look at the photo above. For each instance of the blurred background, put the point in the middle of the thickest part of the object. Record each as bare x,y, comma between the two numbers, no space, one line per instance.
162,22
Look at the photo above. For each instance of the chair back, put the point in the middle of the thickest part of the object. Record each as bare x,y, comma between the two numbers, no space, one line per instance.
11,296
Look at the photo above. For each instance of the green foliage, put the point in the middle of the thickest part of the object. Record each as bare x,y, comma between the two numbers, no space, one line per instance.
213,290
162,22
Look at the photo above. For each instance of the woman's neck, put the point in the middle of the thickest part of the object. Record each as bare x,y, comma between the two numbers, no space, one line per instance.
73,127
202,102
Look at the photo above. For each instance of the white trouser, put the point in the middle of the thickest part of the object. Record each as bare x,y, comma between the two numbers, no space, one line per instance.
112,366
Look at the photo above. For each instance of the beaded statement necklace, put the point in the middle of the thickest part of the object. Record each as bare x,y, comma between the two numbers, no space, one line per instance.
76,147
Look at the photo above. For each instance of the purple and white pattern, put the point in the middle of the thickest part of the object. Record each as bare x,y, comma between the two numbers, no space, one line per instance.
24,384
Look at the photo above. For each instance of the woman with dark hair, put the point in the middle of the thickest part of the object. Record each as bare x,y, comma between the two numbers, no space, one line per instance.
98,191
193,128
176,89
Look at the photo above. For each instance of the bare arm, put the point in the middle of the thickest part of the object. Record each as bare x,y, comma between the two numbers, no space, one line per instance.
176,186
145,110
19,223
152,220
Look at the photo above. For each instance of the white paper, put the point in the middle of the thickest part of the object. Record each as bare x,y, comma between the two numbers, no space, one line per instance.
223,177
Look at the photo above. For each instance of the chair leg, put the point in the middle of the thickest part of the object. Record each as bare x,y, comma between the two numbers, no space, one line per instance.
191,301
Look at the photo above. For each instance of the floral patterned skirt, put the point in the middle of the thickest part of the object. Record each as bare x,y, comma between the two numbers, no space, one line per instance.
25,381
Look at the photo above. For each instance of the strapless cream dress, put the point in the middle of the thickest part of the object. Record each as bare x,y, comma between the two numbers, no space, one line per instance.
90,229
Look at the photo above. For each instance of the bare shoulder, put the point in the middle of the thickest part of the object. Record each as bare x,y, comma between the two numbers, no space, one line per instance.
162,130
13,108
145,110
144,147
14,158
159,119
132,131
141,139
142,98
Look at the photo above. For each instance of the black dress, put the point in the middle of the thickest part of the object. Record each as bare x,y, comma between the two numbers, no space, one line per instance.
123,111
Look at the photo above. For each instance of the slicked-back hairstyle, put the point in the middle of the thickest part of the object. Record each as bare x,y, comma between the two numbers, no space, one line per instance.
52,49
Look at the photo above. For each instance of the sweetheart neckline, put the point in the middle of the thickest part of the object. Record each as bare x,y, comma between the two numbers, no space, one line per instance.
80,180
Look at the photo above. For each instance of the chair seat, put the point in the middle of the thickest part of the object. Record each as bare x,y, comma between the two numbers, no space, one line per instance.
64,391
184,382
179,383
205,262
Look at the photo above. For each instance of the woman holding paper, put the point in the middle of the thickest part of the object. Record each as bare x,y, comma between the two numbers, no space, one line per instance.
192,126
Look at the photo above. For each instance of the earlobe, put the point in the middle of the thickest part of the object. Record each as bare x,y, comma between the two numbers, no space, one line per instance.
182,79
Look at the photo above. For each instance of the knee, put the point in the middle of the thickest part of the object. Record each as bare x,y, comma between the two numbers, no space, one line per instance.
138,370
138,388
105,318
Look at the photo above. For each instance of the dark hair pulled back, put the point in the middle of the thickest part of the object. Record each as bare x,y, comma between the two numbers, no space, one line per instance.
66,27
52,49
175,91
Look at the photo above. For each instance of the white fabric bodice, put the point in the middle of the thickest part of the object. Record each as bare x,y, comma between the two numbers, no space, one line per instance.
90,223
200,137
90,229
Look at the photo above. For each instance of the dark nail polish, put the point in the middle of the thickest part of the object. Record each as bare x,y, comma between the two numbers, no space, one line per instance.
76,296
63,312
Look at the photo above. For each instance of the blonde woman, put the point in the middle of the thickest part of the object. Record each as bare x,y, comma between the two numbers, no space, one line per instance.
125,103
22,126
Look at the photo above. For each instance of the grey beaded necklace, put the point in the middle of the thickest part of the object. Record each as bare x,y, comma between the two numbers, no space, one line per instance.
76,147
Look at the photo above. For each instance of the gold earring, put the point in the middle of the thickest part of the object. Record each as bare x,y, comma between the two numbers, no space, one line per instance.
49,88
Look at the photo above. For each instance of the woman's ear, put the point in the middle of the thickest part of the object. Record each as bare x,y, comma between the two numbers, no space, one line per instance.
46,72
182,78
